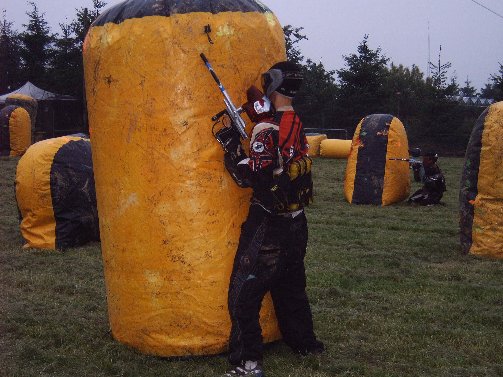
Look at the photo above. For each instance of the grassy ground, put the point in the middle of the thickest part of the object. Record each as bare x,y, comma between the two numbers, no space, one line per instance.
390,291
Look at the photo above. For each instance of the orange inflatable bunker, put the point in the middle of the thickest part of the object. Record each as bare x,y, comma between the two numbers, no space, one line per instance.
170,214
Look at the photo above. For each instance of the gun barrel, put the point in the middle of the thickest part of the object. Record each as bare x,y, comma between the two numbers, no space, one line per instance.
409,160
205,60
210,68
231,110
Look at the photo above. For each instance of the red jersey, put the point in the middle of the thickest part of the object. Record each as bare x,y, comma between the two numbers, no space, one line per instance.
277,142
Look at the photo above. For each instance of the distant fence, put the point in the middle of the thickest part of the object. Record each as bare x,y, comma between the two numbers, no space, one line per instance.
472,101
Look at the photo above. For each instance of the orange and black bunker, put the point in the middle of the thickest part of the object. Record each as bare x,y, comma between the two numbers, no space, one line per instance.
55,194
481,187
371,177
15,131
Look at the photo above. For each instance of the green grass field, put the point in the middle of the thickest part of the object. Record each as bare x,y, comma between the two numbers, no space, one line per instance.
391,295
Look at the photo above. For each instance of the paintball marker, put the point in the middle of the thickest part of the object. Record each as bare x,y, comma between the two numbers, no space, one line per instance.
226,136
414,164
414,152
409,160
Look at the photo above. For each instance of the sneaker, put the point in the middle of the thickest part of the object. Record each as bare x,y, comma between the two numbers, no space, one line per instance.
248,368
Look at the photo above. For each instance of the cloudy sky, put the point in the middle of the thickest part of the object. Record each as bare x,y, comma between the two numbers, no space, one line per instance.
471,36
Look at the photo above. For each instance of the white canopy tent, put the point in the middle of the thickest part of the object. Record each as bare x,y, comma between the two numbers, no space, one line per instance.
57,114
33,91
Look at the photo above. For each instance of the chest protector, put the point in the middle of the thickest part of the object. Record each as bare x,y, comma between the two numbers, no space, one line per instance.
293,189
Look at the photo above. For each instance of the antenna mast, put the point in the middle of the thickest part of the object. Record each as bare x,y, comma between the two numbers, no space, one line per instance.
428,69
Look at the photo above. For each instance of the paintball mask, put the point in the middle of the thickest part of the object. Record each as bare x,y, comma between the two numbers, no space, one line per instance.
284,78
258,106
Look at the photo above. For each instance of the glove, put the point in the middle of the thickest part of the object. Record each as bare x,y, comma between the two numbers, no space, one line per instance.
415,165
230,140
237,171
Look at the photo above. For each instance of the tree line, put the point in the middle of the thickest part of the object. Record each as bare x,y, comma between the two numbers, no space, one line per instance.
368,83
49,60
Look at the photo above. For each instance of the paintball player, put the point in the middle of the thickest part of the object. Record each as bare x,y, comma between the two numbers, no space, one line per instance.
272,245
433,182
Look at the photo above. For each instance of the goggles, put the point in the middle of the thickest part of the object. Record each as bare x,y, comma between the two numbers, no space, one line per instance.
271,80
285,82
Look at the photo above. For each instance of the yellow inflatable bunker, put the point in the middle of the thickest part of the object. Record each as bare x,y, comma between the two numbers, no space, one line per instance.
170,214
55,194
26,102
335,148
15,131
314,142
371,177
481,188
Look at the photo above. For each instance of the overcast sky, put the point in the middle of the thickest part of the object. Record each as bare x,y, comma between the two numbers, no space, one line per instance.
471,36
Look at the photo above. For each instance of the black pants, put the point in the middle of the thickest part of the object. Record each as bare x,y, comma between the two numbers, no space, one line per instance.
270,257
426,197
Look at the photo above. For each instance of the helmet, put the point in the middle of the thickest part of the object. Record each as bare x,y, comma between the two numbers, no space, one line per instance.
258,106
284,78
415,152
